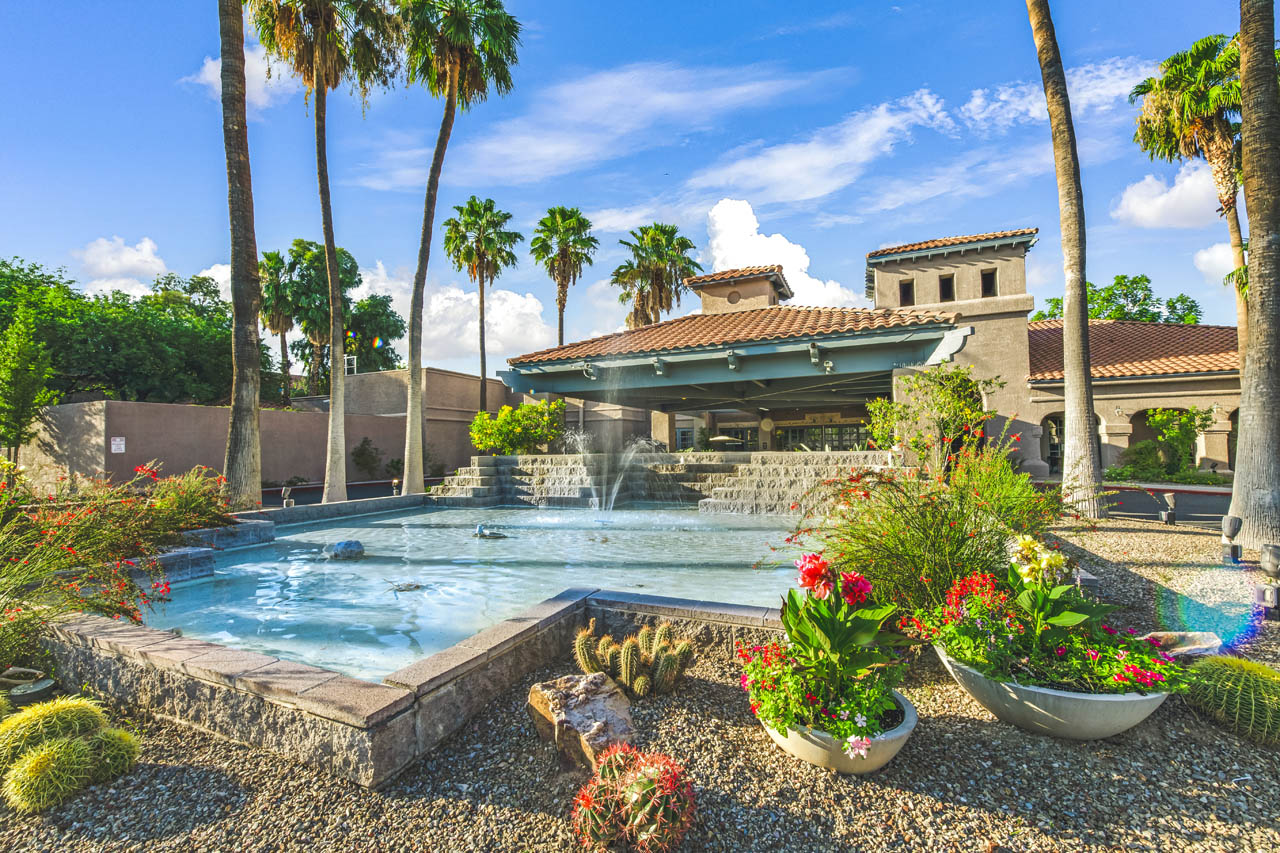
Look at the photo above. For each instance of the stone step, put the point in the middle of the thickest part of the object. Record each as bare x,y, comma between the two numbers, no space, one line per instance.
446,490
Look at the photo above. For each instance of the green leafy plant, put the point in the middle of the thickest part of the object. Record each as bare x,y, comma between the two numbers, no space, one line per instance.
519,430
639,799
1177,431
48,774
651,661
1242,694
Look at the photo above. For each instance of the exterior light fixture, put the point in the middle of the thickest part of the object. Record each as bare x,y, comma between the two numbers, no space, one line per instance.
814,355
1232,553
659,367
589,371
733,360
395,487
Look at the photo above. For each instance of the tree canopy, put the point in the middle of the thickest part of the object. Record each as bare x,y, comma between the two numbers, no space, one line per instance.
652,279
1130,297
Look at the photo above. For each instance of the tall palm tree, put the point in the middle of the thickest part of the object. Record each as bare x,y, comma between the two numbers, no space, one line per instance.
1255,493
242,464
477,240
652,279
1192,110
278,310
458,49
562,243
1082,473
327,42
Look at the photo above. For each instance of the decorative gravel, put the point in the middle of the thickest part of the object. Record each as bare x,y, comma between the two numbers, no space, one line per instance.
963,782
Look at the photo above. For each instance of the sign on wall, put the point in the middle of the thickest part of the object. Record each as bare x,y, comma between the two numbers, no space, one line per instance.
117,444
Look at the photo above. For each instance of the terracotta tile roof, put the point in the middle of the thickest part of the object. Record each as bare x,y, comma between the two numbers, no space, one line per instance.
1120,348
775,322
943,242
741,272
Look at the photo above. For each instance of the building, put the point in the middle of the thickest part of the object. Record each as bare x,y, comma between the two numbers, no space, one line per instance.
762,375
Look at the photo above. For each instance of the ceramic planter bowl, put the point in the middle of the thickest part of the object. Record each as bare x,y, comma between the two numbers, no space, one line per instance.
1061,713
823,750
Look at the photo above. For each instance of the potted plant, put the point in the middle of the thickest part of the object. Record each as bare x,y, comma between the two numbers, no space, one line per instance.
827,695
1037,654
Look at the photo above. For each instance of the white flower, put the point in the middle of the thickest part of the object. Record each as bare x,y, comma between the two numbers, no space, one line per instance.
860,721
844,715
857,746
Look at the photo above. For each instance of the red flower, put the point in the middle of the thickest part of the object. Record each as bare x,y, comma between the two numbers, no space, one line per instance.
815,575
854,588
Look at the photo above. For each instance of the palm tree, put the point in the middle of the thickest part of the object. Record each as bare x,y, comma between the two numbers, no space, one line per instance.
652,279
327,42
458,49
1082,474
277,310
242,463
1190,111
562,243
476,240
1255,493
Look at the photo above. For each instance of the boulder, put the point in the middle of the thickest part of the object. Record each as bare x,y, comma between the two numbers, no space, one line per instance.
1188,643
582,715
347,549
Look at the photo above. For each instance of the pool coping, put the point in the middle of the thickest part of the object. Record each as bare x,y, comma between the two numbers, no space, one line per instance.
364,731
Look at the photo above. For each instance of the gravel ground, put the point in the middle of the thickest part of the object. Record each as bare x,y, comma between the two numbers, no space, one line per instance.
963,782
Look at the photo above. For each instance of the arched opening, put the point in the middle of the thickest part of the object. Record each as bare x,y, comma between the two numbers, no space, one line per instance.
1052,436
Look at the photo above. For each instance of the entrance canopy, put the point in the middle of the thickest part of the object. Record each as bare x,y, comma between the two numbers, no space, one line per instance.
765,358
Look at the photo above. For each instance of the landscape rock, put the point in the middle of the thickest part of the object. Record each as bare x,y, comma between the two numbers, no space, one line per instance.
581,714
347,549
1187,642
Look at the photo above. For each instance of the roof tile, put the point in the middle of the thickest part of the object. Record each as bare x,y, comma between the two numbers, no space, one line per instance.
740,272
1121,348
943,242
775,322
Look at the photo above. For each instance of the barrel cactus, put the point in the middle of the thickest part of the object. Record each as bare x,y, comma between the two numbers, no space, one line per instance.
65,716
1242,694
650,661
6,708
640,800
114,752
48,774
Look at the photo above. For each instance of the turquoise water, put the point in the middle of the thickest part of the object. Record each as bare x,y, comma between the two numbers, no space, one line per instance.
289,600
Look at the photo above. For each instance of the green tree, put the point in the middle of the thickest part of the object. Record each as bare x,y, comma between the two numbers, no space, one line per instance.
327,43
242,462
307,282
458,49
25,368
278,310
372,327
477,240
1191,110
652,279
1083,474
562,243
1130,297
1176,433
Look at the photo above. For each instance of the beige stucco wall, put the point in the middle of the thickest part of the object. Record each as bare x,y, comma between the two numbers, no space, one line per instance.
69,438
967,267
751,293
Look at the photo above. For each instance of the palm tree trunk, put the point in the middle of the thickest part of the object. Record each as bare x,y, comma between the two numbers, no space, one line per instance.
335,468
1232,214
1255,494
1082,473
286,380
243,461
313,381
562,297
484,385
413,480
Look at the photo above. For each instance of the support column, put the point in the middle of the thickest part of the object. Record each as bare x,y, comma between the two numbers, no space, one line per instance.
662,427
1115,441
1214,446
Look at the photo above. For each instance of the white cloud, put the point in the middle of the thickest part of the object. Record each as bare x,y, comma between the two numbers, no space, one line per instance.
221,273
1096,88
1191,202
975,174
736,241
111,264
580,123
831,158
265,83
1215,262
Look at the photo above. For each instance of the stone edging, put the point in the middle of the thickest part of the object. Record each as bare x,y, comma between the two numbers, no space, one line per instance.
360,730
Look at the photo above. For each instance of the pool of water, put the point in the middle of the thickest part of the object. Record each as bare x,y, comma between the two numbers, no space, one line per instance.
288,599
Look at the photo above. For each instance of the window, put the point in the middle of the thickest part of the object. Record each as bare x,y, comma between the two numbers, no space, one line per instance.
988,283
684,438
946,288
907,292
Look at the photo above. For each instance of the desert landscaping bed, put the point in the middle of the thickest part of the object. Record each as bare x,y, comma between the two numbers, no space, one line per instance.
964,782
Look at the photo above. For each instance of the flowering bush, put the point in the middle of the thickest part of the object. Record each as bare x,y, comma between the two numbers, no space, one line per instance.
1035,631
838,669
519,430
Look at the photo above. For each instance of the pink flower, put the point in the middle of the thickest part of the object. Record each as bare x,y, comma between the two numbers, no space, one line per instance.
1121,654
1108,629
857,746
854,587
1060,650
1120,677
815,575
1092,653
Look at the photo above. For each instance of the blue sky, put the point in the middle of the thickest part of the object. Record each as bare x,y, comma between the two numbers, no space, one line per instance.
805,134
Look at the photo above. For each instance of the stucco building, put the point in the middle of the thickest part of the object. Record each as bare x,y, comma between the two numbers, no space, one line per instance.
766,375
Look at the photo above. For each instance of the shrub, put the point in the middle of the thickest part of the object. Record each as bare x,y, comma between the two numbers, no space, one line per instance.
1242,694
639,799
651,661
1016,501
189,501
1176,432
368,459
1145,455
65,716
48,774
519,430
114,752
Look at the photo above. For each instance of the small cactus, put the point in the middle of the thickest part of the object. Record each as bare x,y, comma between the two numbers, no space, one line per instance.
616,761
638,662
65,716
584,650
642,687
640,800
684,655
661,636
114,752
665,670
629,668
48,774
596,815
645,637
602,648
1242,694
